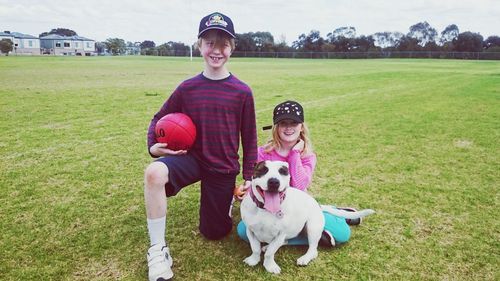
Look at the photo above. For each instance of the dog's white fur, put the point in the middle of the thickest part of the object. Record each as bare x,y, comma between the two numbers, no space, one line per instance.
298,211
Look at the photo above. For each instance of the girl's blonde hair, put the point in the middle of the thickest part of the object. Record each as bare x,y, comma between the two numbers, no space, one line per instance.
220,40
275,142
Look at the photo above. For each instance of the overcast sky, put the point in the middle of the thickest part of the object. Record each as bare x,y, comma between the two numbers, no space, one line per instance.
177,20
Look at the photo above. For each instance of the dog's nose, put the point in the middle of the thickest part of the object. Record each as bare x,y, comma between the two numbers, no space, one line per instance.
273,184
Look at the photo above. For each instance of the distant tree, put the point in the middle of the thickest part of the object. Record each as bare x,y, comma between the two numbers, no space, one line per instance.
264,41
163,50
100,47
245,42
344,31
363,44
147,44
387,39
327,47
423,32
448,34
382,39
178,48
431,46
343,39
300,42
59,31
281,40
153,51
407,43
281,45
6,46
115,45
492,42
468,42
343,44
312,42
255,41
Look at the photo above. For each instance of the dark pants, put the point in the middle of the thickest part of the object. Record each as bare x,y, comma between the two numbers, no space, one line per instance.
216,192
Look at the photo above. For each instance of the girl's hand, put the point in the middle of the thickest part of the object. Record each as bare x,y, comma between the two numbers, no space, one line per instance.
160,149
299,146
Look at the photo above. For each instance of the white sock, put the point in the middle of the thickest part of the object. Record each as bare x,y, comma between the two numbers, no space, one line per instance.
156,229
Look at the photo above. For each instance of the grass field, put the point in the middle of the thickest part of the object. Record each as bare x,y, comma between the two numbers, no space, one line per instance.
416,140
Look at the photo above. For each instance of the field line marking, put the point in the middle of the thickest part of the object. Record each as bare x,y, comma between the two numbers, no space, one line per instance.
320,101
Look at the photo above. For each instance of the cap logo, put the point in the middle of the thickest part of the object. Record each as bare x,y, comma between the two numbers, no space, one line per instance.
216,20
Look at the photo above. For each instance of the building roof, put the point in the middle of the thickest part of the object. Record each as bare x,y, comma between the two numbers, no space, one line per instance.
6,34
18,35
60,37
23,36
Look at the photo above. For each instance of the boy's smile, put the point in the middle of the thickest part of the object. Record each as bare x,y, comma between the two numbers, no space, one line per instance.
216,59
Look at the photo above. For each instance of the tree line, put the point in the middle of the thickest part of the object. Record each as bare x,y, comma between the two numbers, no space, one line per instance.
420,37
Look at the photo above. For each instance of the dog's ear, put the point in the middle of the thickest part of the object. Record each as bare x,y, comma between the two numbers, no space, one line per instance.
284,171
260,169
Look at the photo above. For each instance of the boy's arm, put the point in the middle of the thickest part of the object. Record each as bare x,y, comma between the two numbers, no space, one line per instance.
172,104
248,137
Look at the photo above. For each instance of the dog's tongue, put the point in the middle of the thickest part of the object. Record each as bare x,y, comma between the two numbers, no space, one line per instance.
272,201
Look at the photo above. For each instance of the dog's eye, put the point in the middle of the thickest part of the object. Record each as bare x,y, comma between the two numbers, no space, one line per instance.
260,171
283,171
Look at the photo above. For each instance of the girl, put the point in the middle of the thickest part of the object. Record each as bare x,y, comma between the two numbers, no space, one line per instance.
290,143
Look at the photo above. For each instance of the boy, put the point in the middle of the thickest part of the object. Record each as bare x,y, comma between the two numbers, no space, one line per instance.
222,108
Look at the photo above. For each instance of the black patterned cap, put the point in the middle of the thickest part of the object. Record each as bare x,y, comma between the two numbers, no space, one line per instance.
288,110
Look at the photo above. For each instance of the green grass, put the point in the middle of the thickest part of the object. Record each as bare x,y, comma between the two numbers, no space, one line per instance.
416,140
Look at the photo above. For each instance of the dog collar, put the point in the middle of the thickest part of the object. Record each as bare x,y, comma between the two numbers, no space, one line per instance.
255,200
260,205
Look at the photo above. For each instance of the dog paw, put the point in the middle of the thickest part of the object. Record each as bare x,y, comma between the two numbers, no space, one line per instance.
305,259
272,267
252,260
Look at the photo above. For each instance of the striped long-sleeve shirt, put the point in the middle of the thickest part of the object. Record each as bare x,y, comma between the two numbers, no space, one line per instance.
223,111
301,168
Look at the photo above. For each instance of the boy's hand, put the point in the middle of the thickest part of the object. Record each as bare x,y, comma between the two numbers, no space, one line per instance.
241,191
160,149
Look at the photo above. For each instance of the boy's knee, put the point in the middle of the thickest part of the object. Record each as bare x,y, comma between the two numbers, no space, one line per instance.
156,174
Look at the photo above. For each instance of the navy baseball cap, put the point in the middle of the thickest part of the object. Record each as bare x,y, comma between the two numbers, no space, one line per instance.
217,21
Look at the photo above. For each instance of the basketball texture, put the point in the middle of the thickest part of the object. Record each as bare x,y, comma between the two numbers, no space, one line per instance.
177,130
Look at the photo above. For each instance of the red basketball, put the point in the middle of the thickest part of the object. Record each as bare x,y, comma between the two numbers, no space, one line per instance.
177,130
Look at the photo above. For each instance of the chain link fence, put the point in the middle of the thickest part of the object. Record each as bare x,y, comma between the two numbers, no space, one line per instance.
374,55
355,55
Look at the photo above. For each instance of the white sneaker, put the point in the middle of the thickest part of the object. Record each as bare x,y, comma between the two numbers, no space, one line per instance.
160,263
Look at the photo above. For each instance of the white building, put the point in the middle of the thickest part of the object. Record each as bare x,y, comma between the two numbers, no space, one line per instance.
54,44
24,44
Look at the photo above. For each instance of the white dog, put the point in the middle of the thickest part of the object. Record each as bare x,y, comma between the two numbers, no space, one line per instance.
274,213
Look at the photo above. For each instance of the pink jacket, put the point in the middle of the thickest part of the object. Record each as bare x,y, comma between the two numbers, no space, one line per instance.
301,169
